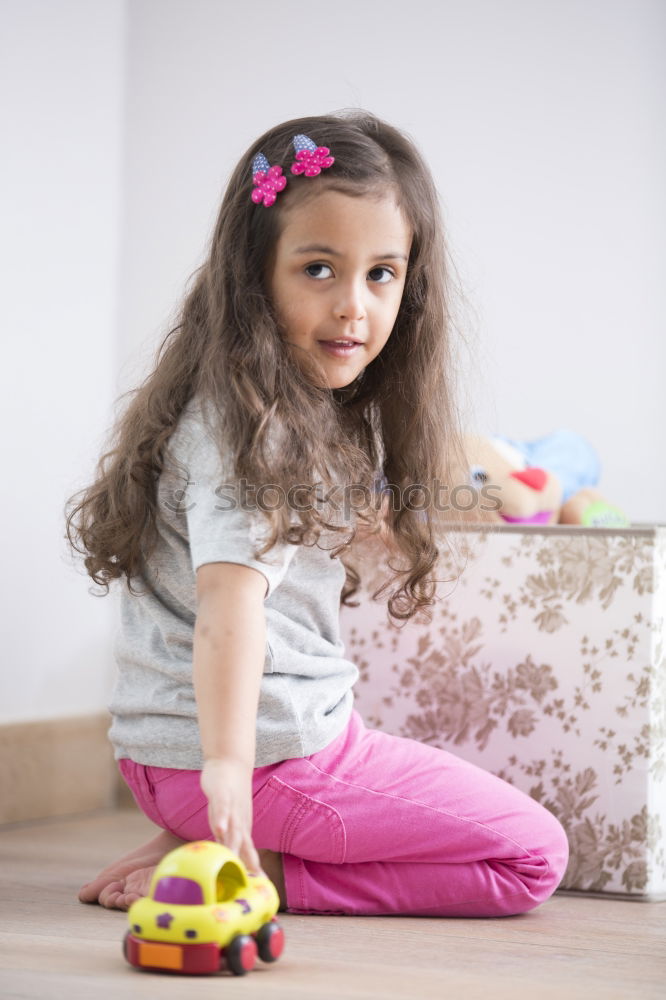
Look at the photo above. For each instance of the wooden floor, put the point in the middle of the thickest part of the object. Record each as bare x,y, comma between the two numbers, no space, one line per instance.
52,946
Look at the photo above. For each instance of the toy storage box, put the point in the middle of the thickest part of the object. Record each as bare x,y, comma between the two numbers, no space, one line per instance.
544,664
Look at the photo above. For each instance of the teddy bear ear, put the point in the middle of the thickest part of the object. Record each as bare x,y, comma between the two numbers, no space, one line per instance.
260,163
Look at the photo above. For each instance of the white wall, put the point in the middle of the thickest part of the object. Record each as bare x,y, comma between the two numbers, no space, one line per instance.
62,69
544,124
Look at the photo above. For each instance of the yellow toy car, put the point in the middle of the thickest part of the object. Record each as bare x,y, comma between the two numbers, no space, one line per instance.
204,912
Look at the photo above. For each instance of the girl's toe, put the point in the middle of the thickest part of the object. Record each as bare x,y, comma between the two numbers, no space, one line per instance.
109,895
89,893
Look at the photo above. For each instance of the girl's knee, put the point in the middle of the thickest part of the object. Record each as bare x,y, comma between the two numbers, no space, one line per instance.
557,853
550,857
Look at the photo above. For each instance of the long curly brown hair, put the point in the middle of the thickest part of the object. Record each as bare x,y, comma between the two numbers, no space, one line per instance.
398,418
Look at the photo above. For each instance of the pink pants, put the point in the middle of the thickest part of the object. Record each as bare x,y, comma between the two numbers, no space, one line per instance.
378,824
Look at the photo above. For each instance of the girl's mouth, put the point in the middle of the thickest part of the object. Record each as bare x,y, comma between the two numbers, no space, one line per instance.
339,348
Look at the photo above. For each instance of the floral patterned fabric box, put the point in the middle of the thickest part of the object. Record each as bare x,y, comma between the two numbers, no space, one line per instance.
544,664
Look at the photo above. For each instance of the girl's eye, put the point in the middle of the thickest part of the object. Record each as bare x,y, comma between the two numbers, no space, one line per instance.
315,271
379,275
384,273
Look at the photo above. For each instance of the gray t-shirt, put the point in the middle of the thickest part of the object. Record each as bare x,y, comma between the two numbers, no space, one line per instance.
306,690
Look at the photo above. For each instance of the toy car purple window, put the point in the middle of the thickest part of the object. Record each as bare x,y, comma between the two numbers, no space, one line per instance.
175,889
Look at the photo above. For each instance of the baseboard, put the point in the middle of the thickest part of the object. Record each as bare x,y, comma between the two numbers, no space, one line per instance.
56,767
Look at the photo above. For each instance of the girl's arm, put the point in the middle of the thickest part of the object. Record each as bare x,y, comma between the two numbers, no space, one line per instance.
228,662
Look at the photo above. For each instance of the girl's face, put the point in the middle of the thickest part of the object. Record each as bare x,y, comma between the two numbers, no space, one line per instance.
338,273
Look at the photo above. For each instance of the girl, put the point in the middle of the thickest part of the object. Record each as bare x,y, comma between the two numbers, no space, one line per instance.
311,358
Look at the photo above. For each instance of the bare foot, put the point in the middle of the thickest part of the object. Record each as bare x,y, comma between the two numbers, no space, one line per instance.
128,878
121,883
271,862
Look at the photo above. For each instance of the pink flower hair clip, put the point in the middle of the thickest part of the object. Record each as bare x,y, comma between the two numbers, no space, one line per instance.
268,181
310,159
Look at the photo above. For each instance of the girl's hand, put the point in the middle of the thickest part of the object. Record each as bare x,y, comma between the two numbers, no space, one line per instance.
227,785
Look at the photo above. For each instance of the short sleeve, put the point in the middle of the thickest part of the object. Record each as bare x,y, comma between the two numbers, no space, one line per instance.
222,524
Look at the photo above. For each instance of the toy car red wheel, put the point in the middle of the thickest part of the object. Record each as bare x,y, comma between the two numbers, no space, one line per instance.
241,954
270,940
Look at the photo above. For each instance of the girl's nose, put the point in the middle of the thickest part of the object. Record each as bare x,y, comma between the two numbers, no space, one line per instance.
349,303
